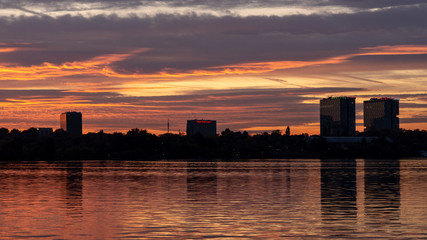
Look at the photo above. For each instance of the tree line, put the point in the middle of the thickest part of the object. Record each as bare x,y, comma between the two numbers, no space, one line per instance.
139,144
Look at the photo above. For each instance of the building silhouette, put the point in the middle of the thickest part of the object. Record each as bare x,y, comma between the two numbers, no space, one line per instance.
337,116
43,132
72,122
203,127
381,114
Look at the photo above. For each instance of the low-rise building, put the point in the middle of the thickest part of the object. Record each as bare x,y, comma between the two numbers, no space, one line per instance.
203,127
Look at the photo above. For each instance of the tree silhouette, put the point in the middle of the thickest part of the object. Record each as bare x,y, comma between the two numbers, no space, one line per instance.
139,144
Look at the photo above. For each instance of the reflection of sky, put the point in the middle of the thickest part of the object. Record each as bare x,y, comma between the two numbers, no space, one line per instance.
148,61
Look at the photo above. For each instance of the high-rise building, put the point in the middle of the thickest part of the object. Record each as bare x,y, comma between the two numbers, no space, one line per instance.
72,122
203,127
337,116
380,114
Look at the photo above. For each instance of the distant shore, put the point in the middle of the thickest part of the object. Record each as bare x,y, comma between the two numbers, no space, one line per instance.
139,144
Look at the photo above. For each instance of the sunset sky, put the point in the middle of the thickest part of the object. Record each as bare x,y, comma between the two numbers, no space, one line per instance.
254,65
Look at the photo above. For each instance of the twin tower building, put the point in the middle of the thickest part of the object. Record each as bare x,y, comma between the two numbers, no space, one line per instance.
338,115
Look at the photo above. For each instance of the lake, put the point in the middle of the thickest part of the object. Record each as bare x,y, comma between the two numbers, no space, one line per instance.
263,199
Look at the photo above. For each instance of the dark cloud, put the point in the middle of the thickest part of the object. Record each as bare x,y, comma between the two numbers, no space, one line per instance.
197,42
370,4
206,98
420,119
419,96
10,96
283,91
413,105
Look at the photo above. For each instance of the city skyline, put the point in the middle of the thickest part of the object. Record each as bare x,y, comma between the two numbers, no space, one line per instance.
255,67
337,118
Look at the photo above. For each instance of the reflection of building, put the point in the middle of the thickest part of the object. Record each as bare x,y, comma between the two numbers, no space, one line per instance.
45,132
204,127
380,114
74,187
72,122
202,181
337,116
339,190
382,192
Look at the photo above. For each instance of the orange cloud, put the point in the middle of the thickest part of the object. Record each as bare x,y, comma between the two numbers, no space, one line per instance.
10,49
100,66
262,67
95,66
6,47
394,50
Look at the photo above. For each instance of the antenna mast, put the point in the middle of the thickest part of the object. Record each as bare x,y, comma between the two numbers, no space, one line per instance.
168,125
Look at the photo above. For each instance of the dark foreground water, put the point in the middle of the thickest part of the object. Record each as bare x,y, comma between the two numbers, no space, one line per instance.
193,200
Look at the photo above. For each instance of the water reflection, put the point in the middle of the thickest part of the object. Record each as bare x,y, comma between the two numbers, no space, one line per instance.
338,190
258,199
375,205
202,181
281,181
74,188
382,192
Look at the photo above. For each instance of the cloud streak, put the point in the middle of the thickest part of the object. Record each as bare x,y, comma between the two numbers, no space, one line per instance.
101,65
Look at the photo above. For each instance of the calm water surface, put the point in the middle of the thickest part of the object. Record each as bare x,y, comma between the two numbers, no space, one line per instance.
220,200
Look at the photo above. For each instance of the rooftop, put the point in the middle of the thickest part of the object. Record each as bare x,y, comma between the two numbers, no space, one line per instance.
383,99
344,98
